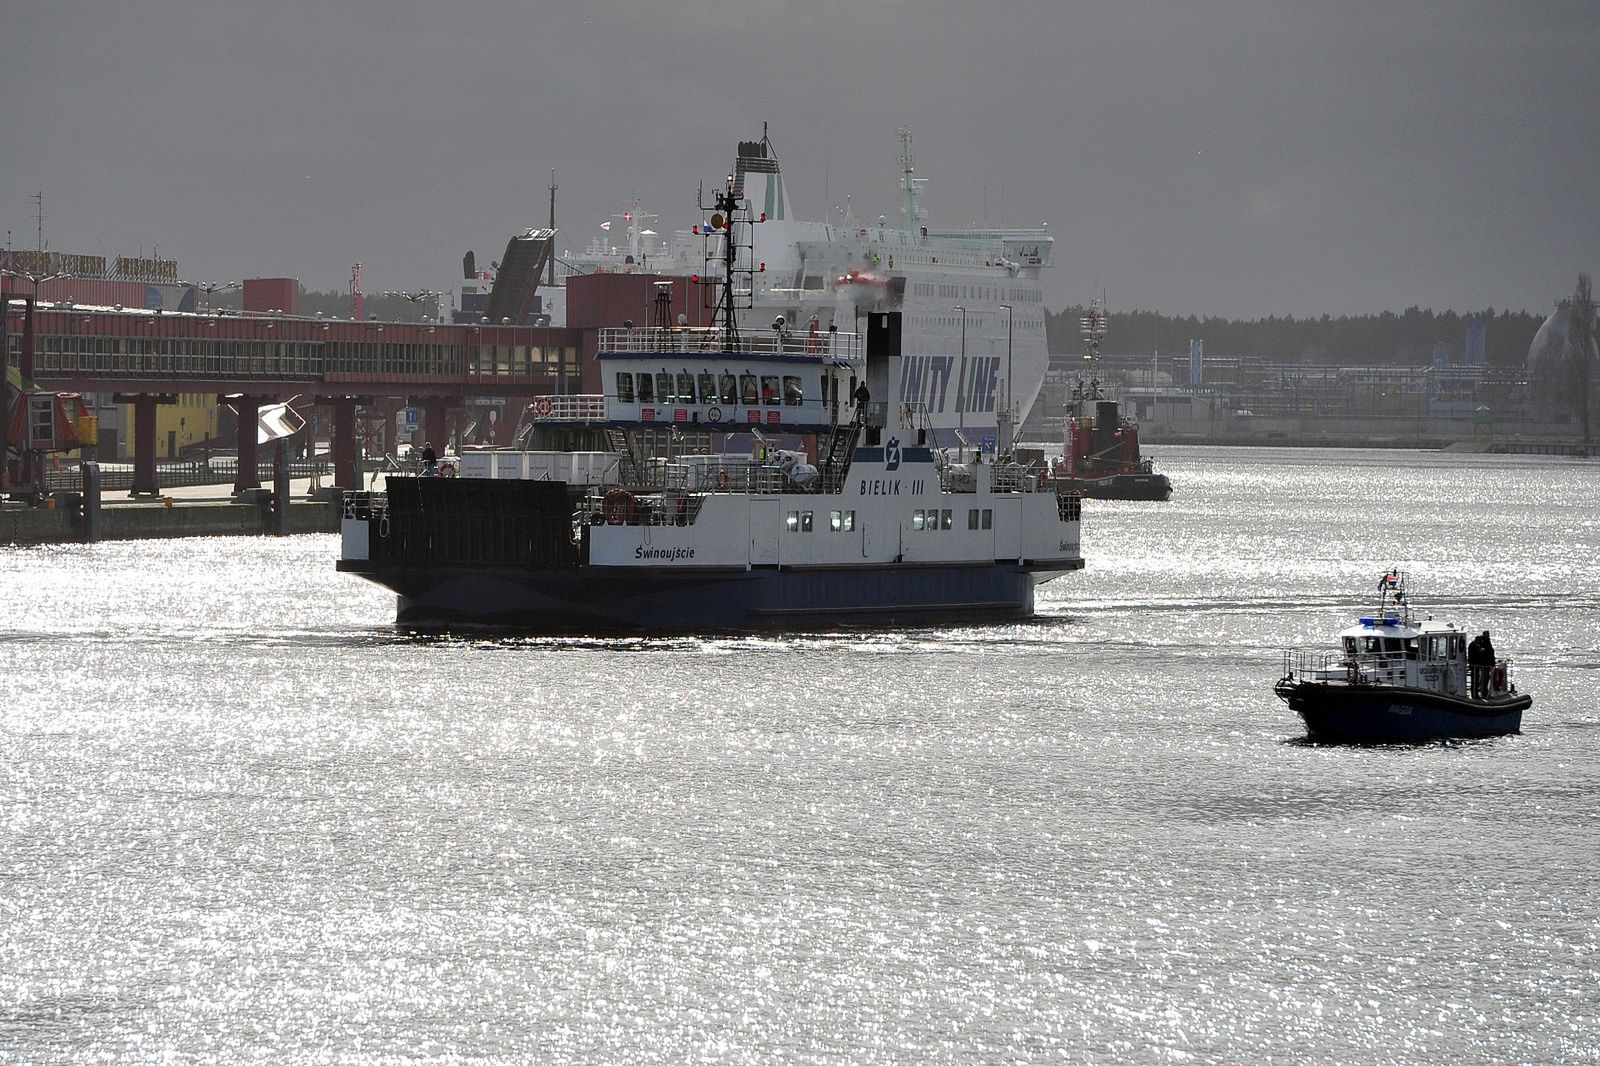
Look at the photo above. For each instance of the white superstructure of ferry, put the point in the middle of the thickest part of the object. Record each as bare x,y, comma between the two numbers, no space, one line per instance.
970,300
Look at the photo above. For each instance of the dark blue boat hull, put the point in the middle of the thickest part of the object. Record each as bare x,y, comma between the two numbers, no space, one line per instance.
1382,713
1120,487
631,599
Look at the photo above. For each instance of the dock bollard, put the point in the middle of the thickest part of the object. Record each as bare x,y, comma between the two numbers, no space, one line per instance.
92,531
280,493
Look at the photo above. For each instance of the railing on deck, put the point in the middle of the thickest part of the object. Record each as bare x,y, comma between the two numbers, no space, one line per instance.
801,342
218,470
587,407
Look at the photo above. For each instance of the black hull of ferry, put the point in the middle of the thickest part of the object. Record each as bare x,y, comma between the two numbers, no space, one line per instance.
1389,714
1120,486
646,601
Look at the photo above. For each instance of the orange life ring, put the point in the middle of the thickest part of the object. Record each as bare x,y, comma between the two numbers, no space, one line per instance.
542,406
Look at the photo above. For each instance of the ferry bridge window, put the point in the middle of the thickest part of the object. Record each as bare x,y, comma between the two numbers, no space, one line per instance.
730,389
769,388
945,518
988,518
685,387
835,521
708,387
917,519
805,521
849,521
793,394
664,387
791,521
647,391
747,390
972,518
624,387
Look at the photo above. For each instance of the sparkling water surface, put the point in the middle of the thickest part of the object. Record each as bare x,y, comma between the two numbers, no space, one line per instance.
244,819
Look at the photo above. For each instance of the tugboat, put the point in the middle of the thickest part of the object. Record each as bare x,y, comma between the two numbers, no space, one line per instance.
723,481
1101,458
1397,679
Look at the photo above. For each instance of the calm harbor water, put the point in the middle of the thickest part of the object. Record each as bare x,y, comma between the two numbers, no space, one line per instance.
242,819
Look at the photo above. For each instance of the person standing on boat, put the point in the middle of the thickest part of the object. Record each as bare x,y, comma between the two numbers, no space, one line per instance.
861,396
430,459
1480,660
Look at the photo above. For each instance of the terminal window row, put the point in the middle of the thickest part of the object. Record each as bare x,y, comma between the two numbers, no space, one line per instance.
752,390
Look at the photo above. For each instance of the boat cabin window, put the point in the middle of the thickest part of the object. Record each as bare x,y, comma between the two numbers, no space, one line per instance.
769,388
799,521
729,389
988,518
1350,646
793,394
685,387
647,391
708,387
917,518
841,521
1411,648
747,390
664,387
947,519
624,387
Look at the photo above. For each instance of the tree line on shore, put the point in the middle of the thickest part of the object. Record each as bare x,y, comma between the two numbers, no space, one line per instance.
1406,338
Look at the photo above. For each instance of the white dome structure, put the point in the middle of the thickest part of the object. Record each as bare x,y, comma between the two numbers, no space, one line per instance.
1550,357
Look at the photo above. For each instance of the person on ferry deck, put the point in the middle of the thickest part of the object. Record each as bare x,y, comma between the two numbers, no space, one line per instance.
430,459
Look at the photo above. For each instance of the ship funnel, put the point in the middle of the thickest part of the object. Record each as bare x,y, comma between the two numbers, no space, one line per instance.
757,178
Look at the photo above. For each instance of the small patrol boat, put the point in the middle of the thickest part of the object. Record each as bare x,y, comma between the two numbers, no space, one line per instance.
1397,678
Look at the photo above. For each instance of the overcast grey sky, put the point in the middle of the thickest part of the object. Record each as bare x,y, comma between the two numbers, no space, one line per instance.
1238,157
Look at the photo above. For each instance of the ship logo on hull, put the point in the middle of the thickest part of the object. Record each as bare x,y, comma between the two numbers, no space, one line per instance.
892,454
932,380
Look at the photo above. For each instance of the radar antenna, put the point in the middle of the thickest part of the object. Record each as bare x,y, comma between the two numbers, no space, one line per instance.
730,251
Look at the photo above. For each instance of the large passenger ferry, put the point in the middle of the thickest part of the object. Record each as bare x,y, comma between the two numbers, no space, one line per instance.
971,306
723,481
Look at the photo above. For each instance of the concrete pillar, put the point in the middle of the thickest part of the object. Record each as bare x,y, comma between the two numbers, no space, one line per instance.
435,425
144,447
346,468
247,477
391,429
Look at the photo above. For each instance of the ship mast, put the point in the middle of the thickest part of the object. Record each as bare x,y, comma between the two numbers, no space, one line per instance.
912,213
1093,327
732,258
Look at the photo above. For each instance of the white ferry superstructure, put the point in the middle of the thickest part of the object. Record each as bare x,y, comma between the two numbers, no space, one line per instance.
971,300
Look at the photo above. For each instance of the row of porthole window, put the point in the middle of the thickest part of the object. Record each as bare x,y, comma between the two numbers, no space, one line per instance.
977,518
707,388
804,522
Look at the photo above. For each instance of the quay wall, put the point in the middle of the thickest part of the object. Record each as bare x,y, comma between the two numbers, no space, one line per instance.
149,521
